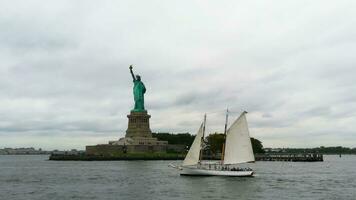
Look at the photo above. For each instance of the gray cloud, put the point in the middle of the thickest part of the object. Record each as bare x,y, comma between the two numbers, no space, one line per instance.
64,69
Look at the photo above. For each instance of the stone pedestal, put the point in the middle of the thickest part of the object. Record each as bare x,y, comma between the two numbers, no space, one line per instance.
138,139
139,125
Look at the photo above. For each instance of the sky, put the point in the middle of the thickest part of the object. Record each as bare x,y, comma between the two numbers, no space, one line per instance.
65,81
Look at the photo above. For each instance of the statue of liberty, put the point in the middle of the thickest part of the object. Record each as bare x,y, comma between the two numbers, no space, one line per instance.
139,90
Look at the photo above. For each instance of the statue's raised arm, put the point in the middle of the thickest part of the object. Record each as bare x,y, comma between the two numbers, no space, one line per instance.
132,74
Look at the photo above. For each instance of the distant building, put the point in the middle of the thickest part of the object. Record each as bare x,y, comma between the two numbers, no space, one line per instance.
22,151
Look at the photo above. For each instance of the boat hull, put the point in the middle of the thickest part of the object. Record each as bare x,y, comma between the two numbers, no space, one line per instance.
184,171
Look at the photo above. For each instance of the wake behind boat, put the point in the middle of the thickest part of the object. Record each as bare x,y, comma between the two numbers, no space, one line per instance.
237,149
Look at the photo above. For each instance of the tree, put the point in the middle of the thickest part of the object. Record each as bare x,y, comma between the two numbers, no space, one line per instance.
216,140
180,138
257,146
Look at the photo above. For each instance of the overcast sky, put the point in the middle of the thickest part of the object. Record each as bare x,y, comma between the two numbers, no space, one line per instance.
65,82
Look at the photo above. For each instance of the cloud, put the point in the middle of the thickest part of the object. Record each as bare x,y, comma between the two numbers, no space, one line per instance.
64,69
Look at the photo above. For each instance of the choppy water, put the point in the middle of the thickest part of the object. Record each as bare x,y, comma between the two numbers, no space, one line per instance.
33,177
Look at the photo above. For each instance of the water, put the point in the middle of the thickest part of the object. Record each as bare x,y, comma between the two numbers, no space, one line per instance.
33,177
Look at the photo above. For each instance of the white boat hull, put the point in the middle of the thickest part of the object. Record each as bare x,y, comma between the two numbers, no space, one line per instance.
186,171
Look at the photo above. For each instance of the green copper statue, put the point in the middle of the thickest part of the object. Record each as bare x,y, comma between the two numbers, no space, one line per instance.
139,90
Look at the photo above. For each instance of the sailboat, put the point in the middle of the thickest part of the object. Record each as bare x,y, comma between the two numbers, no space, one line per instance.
237,149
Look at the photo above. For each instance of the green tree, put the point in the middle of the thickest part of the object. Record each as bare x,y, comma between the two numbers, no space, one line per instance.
257,146
216,140
180,138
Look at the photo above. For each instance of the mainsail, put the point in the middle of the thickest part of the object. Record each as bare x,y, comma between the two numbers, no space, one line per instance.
192,157
238,147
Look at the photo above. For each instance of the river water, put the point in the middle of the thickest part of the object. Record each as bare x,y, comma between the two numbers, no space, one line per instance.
34,177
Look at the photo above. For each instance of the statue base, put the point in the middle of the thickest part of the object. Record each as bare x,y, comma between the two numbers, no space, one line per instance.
138,139
138,125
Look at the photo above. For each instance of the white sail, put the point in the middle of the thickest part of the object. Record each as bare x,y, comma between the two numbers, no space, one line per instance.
238,148
192,157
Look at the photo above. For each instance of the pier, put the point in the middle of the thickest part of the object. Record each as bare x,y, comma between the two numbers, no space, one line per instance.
128,156
285,157
289,157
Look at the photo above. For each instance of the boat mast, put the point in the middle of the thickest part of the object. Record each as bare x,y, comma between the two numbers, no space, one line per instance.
225,129
202,141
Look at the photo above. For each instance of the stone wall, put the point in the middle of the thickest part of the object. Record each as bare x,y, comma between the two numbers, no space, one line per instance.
146,148
104,149
178,148
112,150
